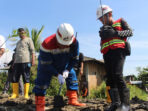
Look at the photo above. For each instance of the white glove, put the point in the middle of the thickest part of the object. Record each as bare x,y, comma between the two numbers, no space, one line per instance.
65,73
61,79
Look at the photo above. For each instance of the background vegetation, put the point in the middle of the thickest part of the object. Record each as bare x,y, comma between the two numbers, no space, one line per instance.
99,92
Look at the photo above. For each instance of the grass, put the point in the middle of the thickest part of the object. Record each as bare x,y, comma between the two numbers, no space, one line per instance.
99,92
135,91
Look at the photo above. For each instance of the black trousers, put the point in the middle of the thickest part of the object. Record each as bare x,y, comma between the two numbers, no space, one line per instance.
21,69
114,62
9,80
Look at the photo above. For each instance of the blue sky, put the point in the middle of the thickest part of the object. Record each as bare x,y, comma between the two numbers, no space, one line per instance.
82,15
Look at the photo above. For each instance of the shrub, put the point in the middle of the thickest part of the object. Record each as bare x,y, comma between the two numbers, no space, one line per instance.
54,88
99,92
3,78
135,91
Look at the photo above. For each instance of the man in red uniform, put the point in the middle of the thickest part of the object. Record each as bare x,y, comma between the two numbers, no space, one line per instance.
114,48
58,55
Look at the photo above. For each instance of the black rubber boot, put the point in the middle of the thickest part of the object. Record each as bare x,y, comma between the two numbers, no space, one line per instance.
125,100
115,99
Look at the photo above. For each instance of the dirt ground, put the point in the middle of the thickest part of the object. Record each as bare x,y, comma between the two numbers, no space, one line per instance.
20,104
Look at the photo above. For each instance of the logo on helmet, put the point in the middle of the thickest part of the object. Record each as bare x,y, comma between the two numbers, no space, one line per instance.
104,8
65,34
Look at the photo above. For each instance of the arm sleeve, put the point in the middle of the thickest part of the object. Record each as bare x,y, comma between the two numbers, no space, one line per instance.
127,31
74,50
46,63
10,63
81,57
32,49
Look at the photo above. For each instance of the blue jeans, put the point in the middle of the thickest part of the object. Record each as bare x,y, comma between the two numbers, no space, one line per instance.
43,80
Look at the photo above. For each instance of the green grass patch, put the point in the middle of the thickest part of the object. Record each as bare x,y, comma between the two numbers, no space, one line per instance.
99,92
135,91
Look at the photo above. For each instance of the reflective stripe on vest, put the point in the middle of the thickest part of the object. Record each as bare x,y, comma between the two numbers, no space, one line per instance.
111,42
114,42
116,25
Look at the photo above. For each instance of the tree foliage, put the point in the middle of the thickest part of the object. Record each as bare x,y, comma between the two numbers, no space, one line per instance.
142,74
35,35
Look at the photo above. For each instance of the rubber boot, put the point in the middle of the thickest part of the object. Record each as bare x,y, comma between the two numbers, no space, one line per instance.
125,100
115,99
107,93
73,99
40,103
26,90
15,91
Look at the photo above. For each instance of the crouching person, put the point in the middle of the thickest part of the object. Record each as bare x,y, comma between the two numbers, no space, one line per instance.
58,54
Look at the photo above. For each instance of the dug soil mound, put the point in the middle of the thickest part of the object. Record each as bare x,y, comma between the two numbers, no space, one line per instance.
21,104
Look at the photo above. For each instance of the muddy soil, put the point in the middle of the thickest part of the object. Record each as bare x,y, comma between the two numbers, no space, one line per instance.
21,104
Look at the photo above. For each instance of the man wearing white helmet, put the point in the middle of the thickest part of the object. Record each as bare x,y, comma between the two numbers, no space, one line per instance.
58,54
114,48
2,45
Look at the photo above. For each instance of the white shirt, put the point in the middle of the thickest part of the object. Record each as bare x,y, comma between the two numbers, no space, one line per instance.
2,42
6,58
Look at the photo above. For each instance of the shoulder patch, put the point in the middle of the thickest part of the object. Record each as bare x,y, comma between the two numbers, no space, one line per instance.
50,42
50,45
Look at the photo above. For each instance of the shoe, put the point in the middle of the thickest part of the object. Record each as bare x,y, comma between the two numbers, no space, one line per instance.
40,103
73,99
26,90
15,91
115,99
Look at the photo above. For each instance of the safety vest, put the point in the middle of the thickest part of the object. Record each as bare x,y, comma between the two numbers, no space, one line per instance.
114,42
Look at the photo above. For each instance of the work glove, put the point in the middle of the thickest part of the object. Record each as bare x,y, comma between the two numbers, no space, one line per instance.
107,32
125,33
65,73
61,79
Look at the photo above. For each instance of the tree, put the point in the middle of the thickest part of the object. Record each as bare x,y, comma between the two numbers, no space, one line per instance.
35,36
143,74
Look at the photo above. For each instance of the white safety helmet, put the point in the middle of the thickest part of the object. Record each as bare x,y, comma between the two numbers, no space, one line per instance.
65,34
102,10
